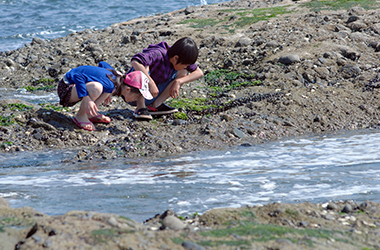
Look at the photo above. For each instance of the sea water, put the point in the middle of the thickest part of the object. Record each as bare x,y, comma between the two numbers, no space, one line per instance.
316,169
22,20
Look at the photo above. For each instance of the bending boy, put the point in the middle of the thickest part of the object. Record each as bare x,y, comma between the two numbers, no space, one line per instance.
168,68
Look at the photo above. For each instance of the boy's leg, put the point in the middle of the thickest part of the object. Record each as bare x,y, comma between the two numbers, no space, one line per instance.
165,94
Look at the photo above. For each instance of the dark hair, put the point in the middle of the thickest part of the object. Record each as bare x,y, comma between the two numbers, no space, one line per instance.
186,50
118,80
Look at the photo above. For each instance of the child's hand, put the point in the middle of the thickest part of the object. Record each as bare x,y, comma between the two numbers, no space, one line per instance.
90,106
174,90
107,101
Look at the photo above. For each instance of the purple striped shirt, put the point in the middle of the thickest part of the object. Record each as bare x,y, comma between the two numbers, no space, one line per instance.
156,57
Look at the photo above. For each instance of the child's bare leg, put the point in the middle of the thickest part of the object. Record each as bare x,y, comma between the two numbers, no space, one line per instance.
94,90
166,93
98,102
140,103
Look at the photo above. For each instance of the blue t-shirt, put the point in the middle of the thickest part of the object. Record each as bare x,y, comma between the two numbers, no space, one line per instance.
84,74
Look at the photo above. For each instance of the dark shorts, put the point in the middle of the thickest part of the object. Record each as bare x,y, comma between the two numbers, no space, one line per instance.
64,93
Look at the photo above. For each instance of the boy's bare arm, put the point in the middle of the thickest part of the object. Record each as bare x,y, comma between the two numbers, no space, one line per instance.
145,69
177,84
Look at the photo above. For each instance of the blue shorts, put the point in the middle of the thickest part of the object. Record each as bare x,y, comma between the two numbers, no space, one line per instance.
161,87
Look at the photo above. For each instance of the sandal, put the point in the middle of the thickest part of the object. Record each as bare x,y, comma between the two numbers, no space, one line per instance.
142,114
100,119
84,125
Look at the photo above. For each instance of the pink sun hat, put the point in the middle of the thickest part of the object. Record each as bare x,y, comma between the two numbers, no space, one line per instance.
139,80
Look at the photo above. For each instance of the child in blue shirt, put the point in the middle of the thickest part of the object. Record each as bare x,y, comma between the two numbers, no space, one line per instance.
94,85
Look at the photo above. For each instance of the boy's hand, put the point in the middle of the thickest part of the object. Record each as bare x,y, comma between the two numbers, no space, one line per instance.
153,88
174,90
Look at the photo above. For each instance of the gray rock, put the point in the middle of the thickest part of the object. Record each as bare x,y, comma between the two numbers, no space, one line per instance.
289,59
243,42
332,206
349,71
189,245
347,209
38,40
189,10
238,133
177,122
272,44
352,19
173,223
4,202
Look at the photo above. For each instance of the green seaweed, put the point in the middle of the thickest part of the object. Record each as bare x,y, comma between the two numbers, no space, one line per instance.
259,232
104,235
316,5
248,17
231,79
17,106
196,104
54,107
181,115
7,120
200,23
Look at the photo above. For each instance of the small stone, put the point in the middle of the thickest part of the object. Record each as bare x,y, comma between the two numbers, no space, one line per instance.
177,122
303,223
226,118
37,136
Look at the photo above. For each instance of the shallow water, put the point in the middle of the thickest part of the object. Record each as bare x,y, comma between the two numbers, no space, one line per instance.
317,169
22,20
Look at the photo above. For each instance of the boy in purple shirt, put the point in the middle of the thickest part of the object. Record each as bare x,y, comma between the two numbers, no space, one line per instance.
168,68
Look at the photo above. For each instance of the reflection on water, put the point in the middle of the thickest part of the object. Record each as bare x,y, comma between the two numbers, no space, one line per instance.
34,97
309,169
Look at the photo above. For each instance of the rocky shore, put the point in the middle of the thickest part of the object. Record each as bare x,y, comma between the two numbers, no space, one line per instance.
273,70
334,225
